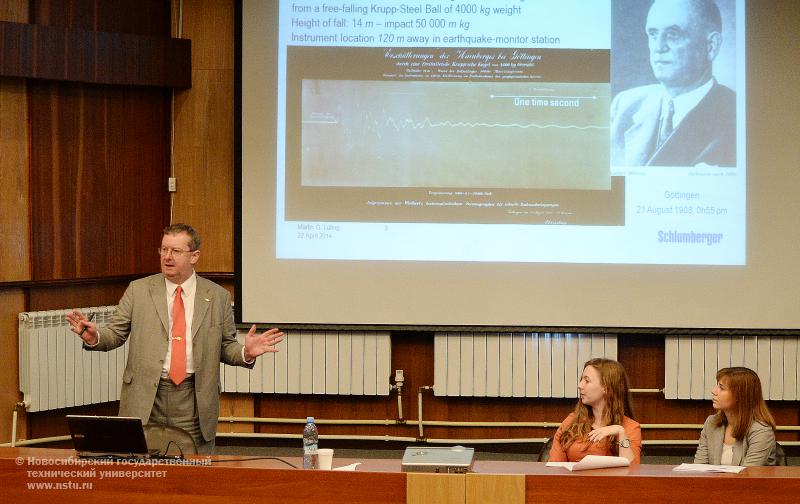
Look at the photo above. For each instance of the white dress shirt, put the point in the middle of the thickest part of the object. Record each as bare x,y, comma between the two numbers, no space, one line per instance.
686,102
189,289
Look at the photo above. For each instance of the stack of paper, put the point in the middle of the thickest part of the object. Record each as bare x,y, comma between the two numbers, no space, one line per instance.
709,468
351,467
592,462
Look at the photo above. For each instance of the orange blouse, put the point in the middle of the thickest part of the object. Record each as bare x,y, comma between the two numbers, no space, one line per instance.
580,448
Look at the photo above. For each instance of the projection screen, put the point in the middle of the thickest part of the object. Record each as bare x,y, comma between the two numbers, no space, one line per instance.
557,163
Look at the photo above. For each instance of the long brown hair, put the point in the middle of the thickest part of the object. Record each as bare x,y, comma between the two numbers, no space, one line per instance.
618,403
745,388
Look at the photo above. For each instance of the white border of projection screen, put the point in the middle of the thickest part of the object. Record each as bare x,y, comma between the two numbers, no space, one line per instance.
561,163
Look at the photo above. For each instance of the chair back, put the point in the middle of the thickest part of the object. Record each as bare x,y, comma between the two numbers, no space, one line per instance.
780,455
544,453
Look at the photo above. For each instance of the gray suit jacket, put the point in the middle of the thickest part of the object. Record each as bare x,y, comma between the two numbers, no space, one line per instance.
706,135
756,449
141,316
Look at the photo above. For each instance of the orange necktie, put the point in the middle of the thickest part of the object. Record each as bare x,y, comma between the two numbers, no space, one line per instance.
177,360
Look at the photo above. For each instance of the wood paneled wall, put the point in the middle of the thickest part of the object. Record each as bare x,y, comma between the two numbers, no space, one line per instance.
203,150
12,301
98,169
14,229
141,17
91,198
99,156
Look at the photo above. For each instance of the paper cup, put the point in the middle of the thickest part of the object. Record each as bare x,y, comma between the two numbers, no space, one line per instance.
325,458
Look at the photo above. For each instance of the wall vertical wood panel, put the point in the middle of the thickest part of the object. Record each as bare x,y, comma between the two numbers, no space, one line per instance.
142,17
203,149
14,229
209,24
14,202
14,10
99,164
100,157
14,226
73,296
12,301
203,159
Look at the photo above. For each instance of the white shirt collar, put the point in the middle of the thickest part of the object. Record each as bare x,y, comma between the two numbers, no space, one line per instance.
685,102
188,286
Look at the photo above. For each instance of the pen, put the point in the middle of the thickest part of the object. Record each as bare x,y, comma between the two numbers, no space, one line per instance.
91,317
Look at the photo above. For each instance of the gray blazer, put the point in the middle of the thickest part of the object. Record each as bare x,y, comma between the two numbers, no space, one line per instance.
141,316
756,449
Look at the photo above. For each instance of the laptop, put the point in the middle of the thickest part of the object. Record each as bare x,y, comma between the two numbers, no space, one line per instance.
108,437
438,459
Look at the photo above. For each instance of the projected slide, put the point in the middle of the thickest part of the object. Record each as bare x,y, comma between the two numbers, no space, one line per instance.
560,131
445,134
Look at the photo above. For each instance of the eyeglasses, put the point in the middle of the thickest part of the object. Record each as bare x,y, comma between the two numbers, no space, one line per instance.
164,251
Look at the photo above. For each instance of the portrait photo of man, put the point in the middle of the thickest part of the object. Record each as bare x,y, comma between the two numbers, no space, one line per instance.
687,117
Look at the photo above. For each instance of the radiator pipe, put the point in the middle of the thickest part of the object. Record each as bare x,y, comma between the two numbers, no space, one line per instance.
255,435
486,441
260,435
450,423
44,440
15,418
398,386
14,427
251,435
419,413
303,421
438,423
400,405
419,409
383,438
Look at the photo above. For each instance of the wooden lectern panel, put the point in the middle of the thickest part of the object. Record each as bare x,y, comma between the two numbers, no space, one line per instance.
433,488
495,488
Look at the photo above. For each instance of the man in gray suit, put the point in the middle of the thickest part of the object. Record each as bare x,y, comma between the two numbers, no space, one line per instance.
180,328
689,118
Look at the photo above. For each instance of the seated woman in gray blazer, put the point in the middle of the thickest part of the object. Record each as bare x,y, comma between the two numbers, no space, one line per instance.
742,432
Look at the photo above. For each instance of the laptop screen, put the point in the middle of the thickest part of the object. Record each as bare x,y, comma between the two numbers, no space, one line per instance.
107,436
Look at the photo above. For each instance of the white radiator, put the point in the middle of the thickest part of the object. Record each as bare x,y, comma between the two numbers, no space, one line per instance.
477,364
691,364
318,362
55,372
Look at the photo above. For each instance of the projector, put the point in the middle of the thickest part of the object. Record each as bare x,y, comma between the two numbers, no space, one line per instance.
438,459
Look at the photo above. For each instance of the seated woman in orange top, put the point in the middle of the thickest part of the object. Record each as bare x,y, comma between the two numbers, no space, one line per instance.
602,423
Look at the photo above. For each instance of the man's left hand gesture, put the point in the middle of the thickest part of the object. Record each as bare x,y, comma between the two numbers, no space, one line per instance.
257,344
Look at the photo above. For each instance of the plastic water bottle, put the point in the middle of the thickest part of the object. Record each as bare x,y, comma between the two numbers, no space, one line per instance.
310,444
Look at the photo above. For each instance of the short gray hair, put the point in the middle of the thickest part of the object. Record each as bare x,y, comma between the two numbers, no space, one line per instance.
194,237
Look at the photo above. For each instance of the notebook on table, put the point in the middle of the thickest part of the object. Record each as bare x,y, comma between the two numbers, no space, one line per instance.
438,459
108,437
